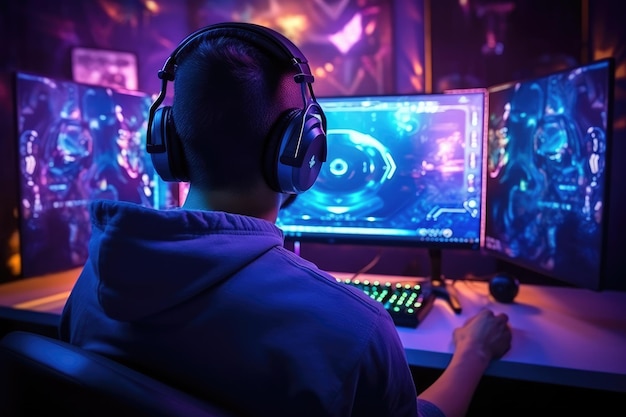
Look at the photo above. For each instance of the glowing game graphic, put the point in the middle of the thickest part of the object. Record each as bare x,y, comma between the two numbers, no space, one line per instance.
547,147
77,143
403,169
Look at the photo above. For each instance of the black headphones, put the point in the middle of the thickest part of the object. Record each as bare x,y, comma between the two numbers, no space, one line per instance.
296,146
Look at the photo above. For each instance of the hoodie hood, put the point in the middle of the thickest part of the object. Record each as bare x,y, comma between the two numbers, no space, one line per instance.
147,260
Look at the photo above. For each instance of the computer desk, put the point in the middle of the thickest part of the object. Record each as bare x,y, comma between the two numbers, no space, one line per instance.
561,335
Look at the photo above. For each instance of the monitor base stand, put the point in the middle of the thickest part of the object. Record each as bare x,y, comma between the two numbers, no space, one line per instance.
437,283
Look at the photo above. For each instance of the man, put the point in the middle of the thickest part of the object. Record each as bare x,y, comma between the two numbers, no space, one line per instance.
207,298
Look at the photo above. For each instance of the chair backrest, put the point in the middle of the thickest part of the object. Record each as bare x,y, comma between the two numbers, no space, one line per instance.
40,375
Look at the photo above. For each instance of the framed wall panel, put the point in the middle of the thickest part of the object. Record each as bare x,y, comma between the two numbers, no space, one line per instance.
105,68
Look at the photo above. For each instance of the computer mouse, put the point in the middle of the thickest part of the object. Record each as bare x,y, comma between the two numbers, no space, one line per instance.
504,287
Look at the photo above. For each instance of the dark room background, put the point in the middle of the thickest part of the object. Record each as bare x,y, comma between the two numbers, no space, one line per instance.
406,46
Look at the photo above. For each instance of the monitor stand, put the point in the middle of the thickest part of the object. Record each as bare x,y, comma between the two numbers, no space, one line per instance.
438,284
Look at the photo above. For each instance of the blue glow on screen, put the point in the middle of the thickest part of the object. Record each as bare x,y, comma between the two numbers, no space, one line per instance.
548,141
401,169
77,143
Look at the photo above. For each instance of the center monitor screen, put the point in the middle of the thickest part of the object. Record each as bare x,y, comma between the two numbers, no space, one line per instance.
400,169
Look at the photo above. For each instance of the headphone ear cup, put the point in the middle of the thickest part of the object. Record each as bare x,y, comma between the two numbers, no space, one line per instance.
169,164
295,151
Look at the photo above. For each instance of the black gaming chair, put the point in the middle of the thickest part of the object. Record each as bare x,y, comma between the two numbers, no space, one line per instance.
40,376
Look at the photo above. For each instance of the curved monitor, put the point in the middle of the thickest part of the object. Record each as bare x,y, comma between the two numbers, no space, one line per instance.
546,183
401,170
76,143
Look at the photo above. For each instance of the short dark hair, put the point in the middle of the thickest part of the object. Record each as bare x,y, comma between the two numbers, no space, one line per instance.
224,106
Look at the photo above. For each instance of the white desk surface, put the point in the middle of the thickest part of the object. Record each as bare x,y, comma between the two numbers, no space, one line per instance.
561,335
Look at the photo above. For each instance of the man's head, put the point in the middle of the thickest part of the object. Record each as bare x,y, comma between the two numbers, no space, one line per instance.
240,94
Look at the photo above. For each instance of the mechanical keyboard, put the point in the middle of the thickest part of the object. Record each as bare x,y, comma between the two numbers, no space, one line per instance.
407,304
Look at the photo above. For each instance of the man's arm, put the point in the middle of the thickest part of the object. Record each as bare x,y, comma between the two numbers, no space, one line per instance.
481,339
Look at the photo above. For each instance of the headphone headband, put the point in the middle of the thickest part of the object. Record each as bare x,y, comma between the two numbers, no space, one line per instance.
267,39
296,145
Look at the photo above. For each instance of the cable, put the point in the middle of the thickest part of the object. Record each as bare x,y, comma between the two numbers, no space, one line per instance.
369,266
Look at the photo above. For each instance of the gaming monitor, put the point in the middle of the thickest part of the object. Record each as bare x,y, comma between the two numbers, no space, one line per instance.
400,170
547,172
76,143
